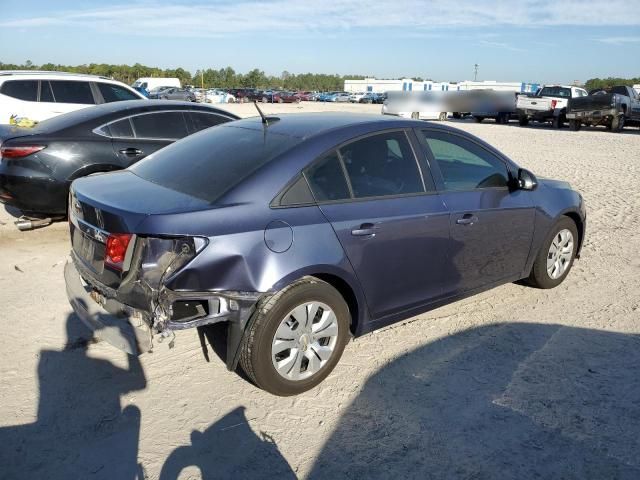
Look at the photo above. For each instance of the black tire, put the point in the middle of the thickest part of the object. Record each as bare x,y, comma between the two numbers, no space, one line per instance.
255,353
620,126
443,116
557,122
523,121
478,119
574,125
415,116
457,115
539,277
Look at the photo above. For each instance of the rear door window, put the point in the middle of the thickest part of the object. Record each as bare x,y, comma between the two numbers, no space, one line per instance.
26,90
121,129
46,95
382,165
202,120
115,93
161,125
68,91
327,179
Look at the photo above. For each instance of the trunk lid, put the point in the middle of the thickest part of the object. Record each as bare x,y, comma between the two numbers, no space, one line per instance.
116,203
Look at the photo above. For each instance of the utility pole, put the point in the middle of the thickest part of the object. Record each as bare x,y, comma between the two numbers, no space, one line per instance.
475,72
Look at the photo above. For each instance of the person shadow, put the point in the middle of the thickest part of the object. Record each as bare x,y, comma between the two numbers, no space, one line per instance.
228,449
514,400
82,429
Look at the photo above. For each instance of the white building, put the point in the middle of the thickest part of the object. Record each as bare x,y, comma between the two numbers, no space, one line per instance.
408,84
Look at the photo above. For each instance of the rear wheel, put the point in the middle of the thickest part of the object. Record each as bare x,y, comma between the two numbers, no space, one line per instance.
556,256
574,125
296,337
415,115
523,121
265,99
617,124
478,119
443,116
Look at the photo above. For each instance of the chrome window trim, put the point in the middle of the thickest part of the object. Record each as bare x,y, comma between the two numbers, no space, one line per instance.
98,132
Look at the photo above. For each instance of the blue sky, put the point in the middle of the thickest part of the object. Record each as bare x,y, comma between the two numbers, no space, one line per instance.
532,41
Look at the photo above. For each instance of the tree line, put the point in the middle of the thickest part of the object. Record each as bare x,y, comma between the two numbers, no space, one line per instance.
229,78
608,82
207,78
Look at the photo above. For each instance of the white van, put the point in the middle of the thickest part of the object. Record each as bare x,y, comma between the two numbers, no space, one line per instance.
32,96
151,83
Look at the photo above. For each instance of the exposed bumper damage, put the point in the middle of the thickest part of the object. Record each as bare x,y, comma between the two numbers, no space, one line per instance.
142,312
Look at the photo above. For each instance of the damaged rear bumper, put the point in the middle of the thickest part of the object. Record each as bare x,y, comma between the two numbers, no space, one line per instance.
133,330
115,323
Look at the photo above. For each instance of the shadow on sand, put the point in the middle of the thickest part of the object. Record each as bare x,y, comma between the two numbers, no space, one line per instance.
513,400
506,401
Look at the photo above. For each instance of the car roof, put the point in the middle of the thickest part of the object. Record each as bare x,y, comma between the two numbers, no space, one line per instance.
306,125
51,75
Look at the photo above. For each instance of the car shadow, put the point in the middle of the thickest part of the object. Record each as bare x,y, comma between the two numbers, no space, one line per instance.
511,400
82,429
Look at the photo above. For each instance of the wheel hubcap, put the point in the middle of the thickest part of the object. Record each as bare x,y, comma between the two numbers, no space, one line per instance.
560,254
304,341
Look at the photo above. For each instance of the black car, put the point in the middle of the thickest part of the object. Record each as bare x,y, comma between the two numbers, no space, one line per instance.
174,93
38,164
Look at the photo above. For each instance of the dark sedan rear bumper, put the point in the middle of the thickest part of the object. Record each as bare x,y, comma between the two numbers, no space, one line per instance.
33,193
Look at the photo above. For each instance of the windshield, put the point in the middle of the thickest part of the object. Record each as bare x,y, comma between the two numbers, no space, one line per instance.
209,163
563,92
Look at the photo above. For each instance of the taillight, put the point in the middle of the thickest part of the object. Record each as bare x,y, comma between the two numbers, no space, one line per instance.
553,104
116,250
19,151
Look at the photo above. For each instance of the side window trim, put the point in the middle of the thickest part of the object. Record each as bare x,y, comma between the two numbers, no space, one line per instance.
345,173
98,129
436,168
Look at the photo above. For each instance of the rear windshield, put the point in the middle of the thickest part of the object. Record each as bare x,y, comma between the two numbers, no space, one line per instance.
555,92
209,163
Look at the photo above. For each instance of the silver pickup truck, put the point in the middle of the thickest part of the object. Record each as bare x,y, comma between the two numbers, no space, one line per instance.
549,104
614,108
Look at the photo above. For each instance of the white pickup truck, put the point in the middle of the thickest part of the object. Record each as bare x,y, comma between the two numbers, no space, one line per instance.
548,104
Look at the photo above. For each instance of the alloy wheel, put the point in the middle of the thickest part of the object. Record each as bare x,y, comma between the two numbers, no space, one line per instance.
560,254
304,341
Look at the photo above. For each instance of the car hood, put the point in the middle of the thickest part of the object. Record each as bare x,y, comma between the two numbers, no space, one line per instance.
552,183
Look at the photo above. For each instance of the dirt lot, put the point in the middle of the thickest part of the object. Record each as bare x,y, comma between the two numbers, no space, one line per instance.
514,383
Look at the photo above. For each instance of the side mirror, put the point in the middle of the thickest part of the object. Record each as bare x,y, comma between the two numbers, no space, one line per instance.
527,180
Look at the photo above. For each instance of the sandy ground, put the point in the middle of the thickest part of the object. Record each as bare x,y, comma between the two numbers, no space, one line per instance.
514,383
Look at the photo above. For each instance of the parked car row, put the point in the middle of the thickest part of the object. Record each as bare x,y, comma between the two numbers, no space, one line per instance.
555,104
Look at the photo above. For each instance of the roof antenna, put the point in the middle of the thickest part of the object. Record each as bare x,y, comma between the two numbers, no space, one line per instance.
265,120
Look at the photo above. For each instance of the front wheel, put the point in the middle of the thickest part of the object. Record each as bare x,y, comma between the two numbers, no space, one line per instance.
296,337
556,256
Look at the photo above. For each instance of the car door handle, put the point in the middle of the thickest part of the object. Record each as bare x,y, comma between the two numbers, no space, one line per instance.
467,219
365,230
131,152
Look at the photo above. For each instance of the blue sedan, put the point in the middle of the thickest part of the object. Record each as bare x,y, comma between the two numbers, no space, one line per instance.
298,232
